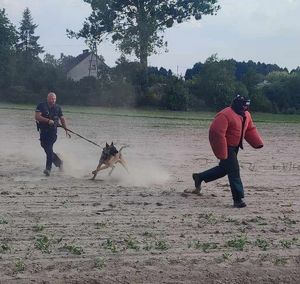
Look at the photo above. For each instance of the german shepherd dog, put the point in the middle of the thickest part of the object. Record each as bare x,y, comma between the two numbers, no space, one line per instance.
110,156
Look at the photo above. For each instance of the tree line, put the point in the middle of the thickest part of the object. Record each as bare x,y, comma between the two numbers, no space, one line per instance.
209,85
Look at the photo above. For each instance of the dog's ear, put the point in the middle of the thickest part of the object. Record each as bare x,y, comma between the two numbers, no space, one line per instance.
107,145
112,144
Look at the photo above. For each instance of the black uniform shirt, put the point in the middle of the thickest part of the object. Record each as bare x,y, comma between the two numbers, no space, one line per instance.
53,113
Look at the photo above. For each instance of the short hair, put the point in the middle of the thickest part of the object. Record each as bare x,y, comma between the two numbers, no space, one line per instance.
51,94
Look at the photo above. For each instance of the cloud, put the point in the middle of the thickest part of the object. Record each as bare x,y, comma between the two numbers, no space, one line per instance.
15,9
260,18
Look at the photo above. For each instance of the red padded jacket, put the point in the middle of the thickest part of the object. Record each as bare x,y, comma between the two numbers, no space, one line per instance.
226,130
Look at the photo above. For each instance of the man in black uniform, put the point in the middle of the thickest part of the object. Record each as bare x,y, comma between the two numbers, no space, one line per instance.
47,115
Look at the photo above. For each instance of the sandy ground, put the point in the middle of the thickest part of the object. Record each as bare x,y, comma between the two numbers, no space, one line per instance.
141,228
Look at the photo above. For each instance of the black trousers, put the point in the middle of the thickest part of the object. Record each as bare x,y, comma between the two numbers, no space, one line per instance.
47,141
231,168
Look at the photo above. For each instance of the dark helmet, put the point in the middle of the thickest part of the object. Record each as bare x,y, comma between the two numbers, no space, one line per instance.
240,103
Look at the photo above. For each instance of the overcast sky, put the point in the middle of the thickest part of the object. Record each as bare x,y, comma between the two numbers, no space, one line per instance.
260,30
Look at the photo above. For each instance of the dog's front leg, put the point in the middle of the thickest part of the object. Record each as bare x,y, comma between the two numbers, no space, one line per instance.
99,168
95,172
110,172
123,163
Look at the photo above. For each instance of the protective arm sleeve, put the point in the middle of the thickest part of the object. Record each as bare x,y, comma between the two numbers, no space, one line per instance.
217,139
252,136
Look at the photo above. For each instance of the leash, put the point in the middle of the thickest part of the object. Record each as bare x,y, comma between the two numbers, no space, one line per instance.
69,130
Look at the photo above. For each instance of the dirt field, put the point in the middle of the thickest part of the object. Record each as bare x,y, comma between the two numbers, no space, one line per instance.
141,228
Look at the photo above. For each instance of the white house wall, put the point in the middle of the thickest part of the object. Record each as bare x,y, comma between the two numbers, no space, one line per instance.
82,69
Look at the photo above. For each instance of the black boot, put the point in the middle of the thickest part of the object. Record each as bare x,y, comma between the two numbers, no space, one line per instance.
47,172
197,189
239,204
56,160
197,180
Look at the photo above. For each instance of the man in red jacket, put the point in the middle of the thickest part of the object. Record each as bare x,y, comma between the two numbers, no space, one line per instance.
226,134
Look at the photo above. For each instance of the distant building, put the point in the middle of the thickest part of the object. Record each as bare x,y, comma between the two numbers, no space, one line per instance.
85,64
263,84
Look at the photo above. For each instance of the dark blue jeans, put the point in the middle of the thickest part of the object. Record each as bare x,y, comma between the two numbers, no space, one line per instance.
47,141
231,168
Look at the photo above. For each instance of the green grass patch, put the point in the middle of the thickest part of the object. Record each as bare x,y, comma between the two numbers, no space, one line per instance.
287,220
131,244
159,114
280,261
208,218
4,248
260,221
19,265
43,243
161,245
238,243
276,118
288,243
205,247
74,249
3,221
110,245
99,263
262,244
38,228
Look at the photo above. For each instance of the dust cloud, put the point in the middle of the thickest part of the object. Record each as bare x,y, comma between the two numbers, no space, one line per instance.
80,159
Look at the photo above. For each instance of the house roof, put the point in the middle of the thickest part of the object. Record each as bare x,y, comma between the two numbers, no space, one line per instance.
72,63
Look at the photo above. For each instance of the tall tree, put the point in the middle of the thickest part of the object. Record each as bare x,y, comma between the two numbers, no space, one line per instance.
28,42
50,60
7,32
137,25
8,38
216,83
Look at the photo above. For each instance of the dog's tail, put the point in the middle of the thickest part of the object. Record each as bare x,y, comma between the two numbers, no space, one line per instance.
125,146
